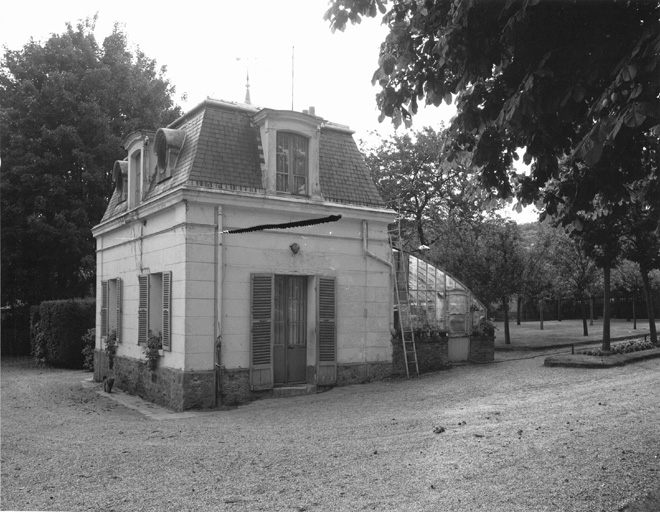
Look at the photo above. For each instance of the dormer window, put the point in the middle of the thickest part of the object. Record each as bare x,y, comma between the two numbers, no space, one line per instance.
136,179
292,163
120,177
290,144
168,146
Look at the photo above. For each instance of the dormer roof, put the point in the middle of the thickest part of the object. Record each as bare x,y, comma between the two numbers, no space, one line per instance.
218,147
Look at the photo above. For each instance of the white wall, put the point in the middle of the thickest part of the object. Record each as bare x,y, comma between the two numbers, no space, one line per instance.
184,238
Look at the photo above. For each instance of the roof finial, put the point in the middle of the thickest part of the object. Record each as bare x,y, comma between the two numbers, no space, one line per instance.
247,90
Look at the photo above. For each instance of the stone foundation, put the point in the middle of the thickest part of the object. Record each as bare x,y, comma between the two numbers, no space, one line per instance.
432,355
175,389
359,373
482,349
180,390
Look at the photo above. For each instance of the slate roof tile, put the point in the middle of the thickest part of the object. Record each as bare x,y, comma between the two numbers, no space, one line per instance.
221,150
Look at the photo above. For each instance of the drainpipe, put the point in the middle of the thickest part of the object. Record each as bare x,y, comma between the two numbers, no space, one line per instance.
365,236
217,328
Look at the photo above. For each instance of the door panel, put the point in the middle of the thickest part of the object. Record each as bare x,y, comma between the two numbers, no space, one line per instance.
290,340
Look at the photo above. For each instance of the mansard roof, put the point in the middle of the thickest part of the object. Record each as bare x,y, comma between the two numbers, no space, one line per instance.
222,150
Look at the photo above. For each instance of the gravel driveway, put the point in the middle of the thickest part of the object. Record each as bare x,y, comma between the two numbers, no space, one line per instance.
517,436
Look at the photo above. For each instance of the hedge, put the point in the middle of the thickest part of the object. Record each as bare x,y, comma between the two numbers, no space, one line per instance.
57,331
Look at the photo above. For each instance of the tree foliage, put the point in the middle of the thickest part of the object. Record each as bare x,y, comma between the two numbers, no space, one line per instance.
413,175
65,105
556,78
574,83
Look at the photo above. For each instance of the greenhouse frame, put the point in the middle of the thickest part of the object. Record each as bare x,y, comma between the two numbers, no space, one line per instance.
436,299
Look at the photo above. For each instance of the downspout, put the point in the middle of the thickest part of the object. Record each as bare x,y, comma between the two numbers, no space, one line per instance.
365,235
217,327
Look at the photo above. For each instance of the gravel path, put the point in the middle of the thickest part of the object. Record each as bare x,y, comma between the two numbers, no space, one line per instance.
517,437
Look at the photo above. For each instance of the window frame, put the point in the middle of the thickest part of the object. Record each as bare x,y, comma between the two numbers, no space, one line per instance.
111,288
161,301
291,162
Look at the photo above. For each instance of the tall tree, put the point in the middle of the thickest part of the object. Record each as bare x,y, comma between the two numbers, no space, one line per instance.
537,279
414,176
489,259
640,229
576,271
505,264
65,106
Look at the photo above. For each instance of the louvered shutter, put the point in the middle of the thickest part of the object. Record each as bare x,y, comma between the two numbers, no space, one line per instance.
118,310
104,308
261,331
143,308
167,315
326,301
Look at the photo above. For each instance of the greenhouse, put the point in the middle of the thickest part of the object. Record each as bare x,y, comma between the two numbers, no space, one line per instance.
436,300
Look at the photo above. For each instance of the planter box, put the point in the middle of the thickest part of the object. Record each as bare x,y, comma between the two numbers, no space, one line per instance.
431,354
482,349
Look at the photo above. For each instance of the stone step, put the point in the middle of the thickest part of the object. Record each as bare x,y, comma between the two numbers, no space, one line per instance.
289,391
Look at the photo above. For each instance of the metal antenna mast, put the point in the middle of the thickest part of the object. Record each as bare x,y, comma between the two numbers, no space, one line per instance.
293,48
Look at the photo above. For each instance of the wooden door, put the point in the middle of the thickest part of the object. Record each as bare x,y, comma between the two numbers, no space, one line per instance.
290,336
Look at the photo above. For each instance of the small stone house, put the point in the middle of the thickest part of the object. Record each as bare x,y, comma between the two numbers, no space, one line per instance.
252,244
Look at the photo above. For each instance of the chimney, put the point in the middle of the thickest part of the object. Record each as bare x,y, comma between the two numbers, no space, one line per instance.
312,111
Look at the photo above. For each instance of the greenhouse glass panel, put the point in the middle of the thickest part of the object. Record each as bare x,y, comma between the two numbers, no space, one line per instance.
437,300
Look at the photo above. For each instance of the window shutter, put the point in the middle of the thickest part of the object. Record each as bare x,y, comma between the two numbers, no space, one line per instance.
104,308
326,301
118,310
167,315
261,331
143,308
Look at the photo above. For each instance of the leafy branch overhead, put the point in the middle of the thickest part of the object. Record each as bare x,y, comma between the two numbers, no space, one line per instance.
556,78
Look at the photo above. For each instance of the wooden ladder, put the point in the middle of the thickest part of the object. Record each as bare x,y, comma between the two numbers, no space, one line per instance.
401,293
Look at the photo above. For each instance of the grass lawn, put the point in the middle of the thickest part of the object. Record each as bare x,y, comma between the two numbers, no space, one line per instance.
566,332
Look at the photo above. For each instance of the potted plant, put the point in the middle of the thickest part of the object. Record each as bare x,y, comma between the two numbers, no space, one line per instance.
152,349
484,328
111,348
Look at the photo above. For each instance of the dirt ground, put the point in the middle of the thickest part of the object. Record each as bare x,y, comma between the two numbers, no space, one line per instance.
509,436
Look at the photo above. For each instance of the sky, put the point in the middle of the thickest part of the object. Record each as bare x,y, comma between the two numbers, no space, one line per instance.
289,51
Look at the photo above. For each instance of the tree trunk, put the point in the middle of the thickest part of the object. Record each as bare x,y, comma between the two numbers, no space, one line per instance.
634,314
541,313
559,309
507,333
591,309
606,308
585,329
420,230
518,313
649,304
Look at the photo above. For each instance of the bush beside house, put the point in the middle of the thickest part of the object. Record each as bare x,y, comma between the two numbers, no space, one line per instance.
15,331
57,331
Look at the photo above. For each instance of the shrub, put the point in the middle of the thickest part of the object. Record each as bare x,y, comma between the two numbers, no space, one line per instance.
15,331
624,347
89,343
57,337
484,328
